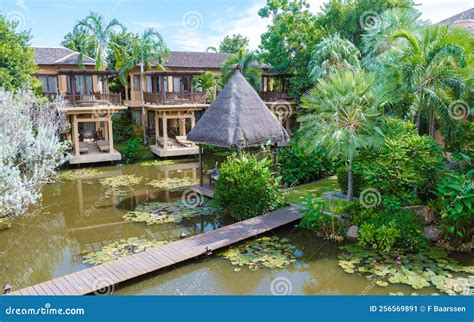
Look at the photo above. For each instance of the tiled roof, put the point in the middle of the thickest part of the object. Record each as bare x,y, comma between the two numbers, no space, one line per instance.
465,15
59,56
189,59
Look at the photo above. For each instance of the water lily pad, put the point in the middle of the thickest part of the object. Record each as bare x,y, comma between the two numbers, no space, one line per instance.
416,270
121,181
172,184
120,249
269,252
70,175
156,163
153,213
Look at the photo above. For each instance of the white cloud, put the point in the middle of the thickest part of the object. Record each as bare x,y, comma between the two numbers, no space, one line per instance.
144,25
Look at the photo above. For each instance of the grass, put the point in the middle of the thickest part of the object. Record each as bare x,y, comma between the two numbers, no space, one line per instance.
144,152
298,194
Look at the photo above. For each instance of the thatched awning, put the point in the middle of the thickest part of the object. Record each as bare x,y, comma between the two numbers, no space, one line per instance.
238,117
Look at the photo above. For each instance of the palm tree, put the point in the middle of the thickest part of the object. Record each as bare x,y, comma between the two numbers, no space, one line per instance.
150,49
427,71
98,33
247,62
208,83
333,53
340,115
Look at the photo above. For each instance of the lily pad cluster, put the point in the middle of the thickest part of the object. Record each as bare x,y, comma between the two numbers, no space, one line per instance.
269,252
156,163
70,175
153,213
172,184
120,249
417,270
121,181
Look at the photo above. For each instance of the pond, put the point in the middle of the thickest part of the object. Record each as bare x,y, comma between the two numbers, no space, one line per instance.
76,217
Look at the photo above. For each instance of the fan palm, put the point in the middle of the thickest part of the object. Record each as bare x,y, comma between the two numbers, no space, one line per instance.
98,33
333,53
427,70
247,62
208,83
340,115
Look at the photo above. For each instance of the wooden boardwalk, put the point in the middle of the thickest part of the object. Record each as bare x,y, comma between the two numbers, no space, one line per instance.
108,275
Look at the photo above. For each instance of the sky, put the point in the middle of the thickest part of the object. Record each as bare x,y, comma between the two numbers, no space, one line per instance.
190,25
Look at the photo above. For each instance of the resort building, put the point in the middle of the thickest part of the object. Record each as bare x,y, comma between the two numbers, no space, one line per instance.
464,19
171,104
88,102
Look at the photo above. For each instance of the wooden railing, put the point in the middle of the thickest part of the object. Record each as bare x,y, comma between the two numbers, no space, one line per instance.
93,99
275,96
173,98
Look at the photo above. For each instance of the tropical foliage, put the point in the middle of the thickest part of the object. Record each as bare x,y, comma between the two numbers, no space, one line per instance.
208,83
247,63
17,59
232,44
246,187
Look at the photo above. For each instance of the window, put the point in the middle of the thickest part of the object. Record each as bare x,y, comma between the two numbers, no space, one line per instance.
186,84
149,84
136,83
176,84
83,84
49,84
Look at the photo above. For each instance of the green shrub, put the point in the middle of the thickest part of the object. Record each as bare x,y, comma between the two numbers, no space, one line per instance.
342,177
456,204
315,216
297,166
388,229
246,187
131,152
122,126
408,164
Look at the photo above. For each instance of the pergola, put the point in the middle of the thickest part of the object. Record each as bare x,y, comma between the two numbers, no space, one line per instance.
237,118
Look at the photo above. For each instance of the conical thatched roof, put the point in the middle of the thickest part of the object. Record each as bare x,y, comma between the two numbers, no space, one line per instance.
238,117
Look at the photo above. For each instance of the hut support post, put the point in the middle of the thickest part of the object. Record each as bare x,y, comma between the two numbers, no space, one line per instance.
275,156
201,169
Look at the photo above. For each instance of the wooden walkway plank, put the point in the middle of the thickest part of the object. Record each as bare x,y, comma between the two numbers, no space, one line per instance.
126,268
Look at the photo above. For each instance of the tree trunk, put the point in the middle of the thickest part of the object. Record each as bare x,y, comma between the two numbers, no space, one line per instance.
432,124
145,141
126,92
350,181
418,122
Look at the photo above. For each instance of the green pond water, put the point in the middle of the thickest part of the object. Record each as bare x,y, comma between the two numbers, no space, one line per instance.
80,216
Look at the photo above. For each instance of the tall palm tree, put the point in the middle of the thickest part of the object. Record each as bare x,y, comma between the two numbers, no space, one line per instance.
98,33
248,64
147,51
340,115
427,70
208,83
333,53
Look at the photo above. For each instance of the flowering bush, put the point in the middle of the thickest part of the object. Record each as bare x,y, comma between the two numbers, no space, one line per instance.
30,149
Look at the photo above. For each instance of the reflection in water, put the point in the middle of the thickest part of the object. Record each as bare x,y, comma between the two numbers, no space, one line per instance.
81,216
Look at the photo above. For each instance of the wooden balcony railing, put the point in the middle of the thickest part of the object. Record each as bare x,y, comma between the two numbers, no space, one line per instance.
114,99
275,96
173,98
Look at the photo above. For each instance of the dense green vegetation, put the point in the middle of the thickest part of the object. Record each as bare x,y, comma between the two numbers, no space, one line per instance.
247,187
17,59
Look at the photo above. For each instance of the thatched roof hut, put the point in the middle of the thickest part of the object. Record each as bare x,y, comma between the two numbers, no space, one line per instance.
238,118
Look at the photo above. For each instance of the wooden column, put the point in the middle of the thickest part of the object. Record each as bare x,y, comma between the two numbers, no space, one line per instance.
193,122
165,131
201,169
162,85
192,88
157,128
182,126
111,134
75,136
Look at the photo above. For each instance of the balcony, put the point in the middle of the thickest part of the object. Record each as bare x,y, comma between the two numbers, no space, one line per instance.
174,98
275,96
81,100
